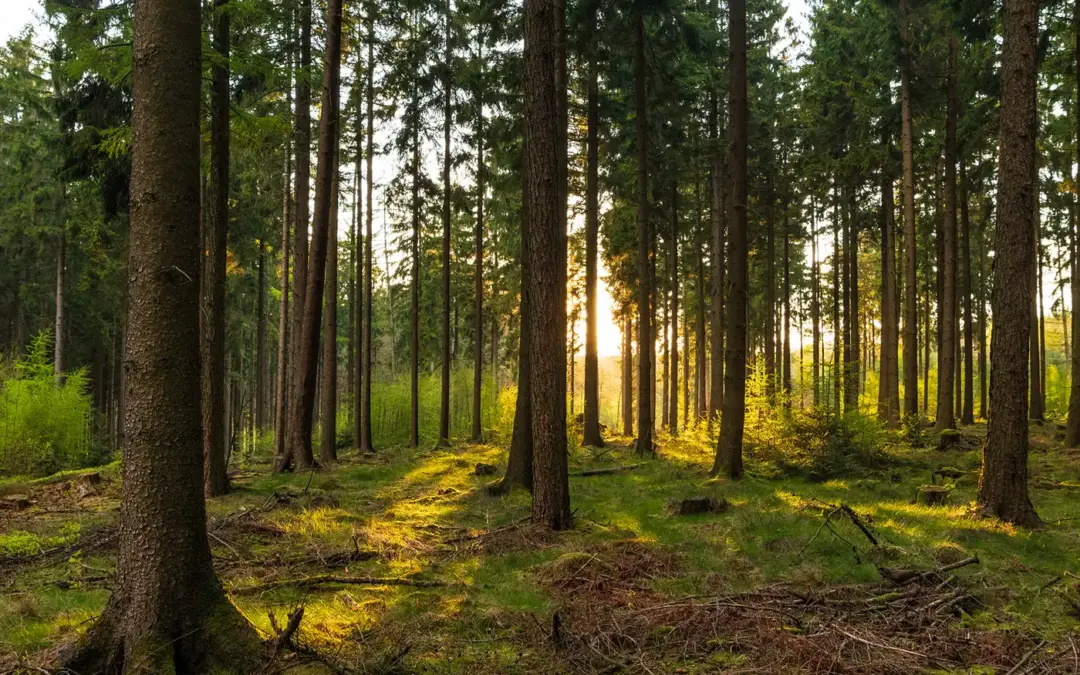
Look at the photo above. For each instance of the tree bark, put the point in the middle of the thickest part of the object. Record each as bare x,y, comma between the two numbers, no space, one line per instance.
628,375
366,356
551,493
717,255
58,325
1036,403
167,612
673,391
888,403
967,414
1072,427
815,304
328,380
217,224
836,264
260,341
947,308
281,385
302,134
770,286
590,433
414,316
302,409
1003,490
478,290
444,398
729,447
701,407
911,321
644,244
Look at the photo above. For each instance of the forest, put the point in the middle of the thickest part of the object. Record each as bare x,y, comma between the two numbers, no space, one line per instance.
539,336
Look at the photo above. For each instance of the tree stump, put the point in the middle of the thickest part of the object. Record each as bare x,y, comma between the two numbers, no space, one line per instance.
950,438
485,469
932,495
695,505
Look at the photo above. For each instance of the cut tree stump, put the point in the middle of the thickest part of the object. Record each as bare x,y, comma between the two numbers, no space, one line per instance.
485,469
932,495
694,505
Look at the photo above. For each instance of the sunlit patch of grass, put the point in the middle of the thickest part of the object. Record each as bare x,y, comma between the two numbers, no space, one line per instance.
311,522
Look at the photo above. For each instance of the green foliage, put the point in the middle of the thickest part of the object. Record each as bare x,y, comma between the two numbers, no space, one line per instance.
44,424
22,543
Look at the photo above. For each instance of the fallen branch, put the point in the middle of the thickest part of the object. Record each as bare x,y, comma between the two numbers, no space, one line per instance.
284,637
329,579
1025,658
609,470
854,517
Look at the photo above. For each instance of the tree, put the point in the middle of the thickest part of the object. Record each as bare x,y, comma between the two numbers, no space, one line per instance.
911,319
590,435
328,380
551,492
217,223
365,444
1072,428
947,309
167,612
644,243
302,408
729,445
1003,490
448,81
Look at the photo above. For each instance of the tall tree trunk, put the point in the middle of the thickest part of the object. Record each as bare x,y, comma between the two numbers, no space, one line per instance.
770,286
167,612
366,355
444,397
358,271
414,315
478,291
673,392
217,223
628,375
644,244
302,409
551,492
947,308
717,255
260,342
888,403
701,408
911,320
1072,428
590,433
815,303
58,325
356,276
328,379
853,383
729,446
1003,490
302,134
1036,403
785,353
836,377
967,414
281,385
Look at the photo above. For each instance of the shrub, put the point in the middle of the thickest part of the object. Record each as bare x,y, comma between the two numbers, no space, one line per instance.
44,424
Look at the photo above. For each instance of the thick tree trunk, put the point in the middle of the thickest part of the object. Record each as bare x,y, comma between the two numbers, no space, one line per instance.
729,446
366,355
911,322
444,396
302,134
590,435
328,380
947,308
644,245
551,492
167,612
1003,490
217,223
967,414
302,409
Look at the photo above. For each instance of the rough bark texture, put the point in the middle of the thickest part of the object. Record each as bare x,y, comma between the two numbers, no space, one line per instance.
260,342
478,280
644,245
366,444
414,312
717,255
281,385
729,447
590,433
1036,402
328,379
770,286
1003,490
444,397
217,224
911,319
1072,428
815,305
673,390
302,135
301,408
947,308
167,613
888,398
58,325
967,413
551,493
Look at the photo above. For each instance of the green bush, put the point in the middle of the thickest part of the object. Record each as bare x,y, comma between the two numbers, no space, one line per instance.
44,424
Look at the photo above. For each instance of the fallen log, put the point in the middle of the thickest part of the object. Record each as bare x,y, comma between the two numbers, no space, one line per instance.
609,470
330,579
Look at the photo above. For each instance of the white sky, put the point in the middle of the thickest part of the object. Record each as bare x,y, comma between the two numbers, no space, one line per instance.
14,14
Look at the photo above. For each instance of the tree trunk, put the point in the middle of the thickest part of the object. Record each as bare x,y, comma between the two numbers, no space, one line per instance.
836,377
729,446
1003,490
551,493
717,255
701,408
1072,428
888,401
967,414
217,223
414,315
947,308
815,304
260,342
673,391
1036,403
366,357
302,133
444,398
644,244
58,326
283,310
590,435
628,375
328,404
302,409
167,612
478,292
770,287
785,352
911,322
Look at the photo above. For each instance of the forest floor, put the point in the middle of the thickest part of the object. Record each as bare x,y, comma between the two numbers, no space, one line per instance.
406,565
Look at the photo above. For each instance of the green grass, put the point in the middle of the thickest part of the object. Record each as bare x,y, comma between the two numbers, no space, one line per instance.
410,505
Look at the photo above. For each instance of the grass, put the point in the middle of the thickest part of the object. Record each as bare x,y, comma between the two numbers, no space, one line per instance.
428,517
